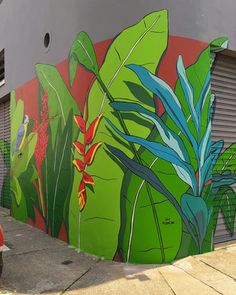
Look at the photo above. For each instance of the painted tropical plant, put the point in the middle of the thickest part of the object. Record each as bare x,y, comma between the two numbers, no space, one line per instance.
223,194
23,143
42,161
196,173
112,81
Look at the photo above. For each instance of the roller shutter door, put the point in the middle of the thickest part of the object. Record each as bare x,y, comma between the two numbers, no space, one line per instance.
224,125
5,154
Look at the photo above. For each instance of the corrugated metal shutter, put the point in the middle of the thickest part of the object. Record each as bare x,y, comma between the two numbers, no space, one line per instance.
5,153
2,68
224,120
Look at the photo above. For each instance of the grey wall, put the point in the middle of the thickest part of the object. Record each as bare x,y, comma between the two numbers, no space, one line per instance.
23,24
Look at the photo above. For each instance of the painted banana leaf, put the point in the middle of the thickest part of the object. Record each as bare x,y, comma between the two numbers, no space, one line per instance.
165,241
143,43
57,168
60,101
225,201
17,113
20,161
227,160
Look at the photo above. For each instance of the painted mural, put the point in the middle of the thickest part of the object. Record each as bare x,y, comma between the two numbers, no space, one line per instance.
4,176
113,154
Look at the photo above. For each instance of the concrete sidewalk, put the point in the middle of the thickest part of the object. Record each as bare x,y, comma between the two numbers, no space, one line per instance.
37,263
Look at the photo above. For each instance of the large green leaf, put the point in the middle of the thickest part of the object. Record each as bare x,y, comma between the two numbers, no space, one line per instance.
21,160
227,205
16,189
17,113
140,240
143,43
60,100
227,160
18,208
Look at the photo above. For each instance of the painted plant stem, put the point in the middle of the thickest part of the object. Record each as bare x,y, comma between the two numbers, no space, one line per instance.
125,129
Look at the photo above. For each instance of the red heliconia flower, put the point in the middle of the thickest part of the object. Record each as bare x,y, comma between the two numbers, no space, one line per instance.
90,133
79,165
82,195
87,178
88,156
79,147
81,123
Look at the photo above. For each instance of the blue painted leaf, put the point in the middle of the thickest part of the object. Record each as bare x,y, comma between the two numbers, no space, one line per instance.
195,209
168,98
226,178
187,89
216,149
168,136
203,95
205,146
163,152
211,108
206,171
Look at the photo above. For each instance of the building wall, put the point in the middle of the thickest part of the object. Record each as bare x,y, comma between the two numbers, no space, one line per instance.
24,24
116,180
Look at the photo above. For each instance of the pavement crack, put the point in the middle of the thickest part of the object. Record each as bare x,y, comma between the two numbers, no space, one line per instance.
9,254
188,273
167,283
217,269
76,280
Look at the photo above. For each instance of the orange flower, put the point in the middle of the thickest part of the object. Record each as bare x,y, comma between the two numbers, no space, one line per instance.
88,156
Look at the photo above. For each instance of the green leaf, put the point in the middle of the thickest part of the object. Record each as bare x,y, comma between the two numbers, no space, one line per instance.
18,210
60,100
144,43
227,160
82,51
227,198
16,189
20,161
219,44
195,209
17,114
